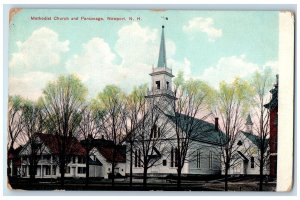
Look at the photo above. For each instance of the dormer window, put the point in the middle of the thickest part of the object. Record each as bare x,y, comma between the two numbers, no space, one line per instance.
157,85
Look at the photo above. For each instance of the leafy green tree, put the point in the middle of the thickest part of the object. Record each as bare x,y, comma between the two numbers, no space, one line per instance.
261,83
193,97
63,100
231,104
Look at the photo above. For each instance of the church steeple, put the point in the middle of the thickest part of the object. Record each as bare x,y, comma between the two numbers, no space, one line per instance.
162,62
249,124
161,87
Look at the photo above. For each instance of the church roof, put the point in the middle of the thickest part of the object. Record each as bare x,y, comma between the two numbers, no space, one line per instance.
202,131
255,139
162,61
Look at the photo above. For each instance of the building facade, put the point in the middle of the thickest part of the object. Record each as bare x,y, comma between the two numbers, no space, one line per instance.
203,154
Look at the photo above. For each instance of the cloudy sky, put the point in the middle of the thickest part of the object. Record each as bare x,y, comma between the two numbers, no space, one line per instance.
211,46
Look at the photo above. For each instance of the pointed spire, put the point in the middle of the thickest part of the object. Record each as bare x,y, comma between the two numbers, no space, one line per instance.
249,120
162,51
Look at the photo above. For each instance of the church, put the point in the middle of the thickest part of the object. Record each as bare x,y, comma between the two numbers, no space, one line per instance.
156,149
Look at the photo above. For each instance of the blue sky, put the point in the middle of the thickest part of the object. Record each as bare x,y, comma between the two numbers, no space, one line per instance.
210,45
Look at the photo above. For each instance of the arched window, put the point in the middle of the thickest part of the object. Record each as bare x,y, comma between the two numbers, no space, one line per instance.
210,160
198,160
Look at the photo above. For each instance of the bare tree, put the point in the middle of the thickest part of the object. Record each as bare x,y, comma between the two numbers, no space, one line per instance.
191,103
132,114
262,82
231,104
63,101
15,124
33,123
151,137
112,100
89,129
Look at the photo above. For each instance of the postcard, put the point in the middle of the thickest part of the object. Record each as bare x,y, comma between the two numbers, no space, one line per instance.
150,100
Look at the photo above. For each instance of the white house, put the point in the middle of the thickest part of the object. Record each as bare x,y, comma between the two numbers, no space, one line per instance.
246,157
104,155
47,159
204,152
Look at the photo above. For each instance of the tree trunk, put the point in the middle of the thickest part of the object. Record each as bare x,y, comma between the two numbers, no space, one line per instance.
62,164
261,172
179,178
113,168
145,178
131,159
87,168
226,177
31,170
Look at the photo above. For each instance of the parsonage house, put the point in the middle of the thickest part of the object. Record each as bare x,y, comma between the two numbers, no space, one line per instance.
48,165
247,152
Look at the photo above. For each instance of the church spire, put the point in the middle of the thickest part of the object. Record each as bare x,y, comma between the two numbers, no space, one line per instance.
162,62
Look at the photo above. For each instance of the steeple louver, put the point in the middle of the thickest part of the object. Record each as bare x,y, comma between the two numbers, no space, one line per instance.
162,62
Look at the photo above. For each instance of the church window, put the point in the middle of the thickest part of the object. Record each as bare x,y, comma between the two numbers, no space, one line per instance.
135,158
210,160
239,143
172,158
198,159
157,85
176,157
139,159
167,85
252,162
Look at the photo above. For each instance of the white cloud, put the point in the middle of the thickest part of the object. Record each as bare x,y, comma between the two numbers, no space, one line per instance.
29,85
94,65
184,66
205,25
228,68
137,48
40,51
36,62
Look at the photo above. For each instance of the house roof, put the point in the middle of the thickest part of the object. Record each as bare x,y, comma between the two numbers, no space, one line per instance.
107,153
255,139
52,142
202,131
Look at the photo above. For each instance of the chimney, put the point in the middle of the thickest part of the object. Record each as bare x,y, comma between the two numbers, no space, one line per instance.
217,124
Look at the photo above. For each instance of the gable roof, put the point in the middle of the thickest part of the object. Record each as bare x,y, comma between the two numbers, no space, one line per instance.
254,138
52,142
202,131
107,153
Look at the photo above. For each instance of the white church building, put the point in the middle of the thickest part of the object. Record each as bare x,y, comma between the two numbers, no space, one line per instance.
203,156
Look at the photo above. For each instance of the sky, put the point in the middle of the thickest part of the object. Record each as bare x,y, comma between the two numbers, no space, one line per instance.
207,45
